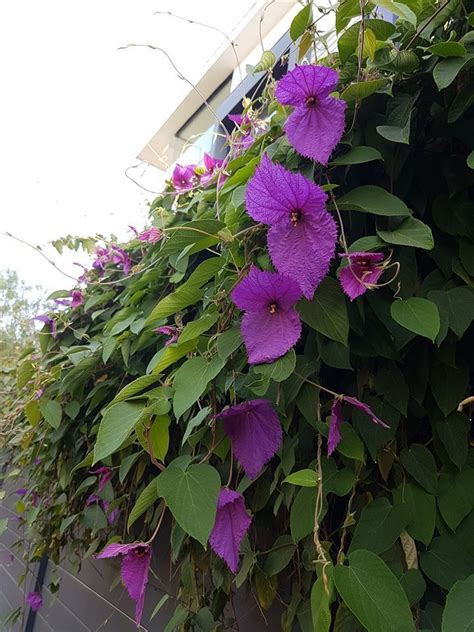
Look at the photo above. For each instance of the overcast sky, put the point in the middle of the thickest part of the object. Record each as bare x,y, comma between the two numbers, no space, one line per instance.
75,111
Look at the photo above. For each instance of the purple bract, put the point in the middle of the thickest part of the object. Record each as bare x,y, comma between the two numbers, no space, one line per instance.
232,523
271,325
317,122
302,237
254,430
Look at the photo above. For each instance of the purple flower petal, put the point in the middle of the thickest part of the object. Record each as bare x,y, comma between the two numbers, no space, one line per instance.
260,288
150,235
365,409
362,272
271,325
317,122
232,523
34,600
104,473
269,336
76,299
168,330
135,568
303,234
184,178
334,425
254,430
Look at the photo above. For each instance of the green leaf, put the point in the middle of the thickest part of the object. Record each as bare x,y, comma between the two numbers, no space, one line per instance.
322,595
454,435
197,327
378,527
117,423
191,496
169,355
456,496
414,585
195,422
358,155
420,510
458,616
51,411
448,385
191,380
3,525
348,41
411,232
145,500
279,556
417,315
470,160
302,478
327,312
280,369
32,412
135,387
363,89
24,373
228,342
420,463
375,200
446,562
302,513
267,61
188,293
345,11
447,49
447,70
93,518
373,593
301,22
202,233
399,8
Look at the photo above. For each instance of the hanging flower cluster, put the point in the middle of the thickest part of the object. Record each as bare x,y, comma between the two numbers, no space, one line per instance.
186,178
113,254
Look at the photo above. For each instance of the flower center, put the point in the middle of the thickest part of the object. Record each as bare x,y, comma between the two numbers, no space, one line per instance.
311,101
184,182
272,308
295,217
364,264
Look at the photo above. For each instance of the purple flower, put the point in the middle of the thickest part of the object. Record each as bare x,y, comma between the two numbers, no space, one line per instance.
254,430
112,515
104,473
92,499
232,523
211,168
362,272
120,257
37,460
271,325
76,299
168,330
337,419
38,394
239,120
135,566
21,492
35,498
317,122
34,600
49,322
184,178
151,235
303,234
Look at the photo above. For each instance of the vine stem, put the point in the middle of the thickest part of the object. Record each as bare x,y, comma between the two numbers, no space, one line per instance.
323,388
346,519
341,223
420,30
158,525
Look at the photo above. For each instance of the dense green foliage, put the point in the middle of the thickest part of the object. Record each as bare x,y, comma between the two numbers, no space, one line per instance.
377,537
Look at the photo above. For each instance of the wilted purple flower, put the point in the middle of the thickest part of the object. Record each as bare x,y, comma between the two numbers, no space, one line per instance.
232,523
35,498
38,394
303,234
92,499
254,430
104,473
135,567
184,178
76,299
336,419
65,302
251,129
211,168
34,600
85,272
151,235
317,122
271,325
49,322
168,330
37,460
112,515
362,272
134,230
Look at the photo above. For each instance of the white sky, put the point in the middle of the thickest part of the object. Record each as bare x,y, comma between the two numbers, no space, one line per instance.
75,111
